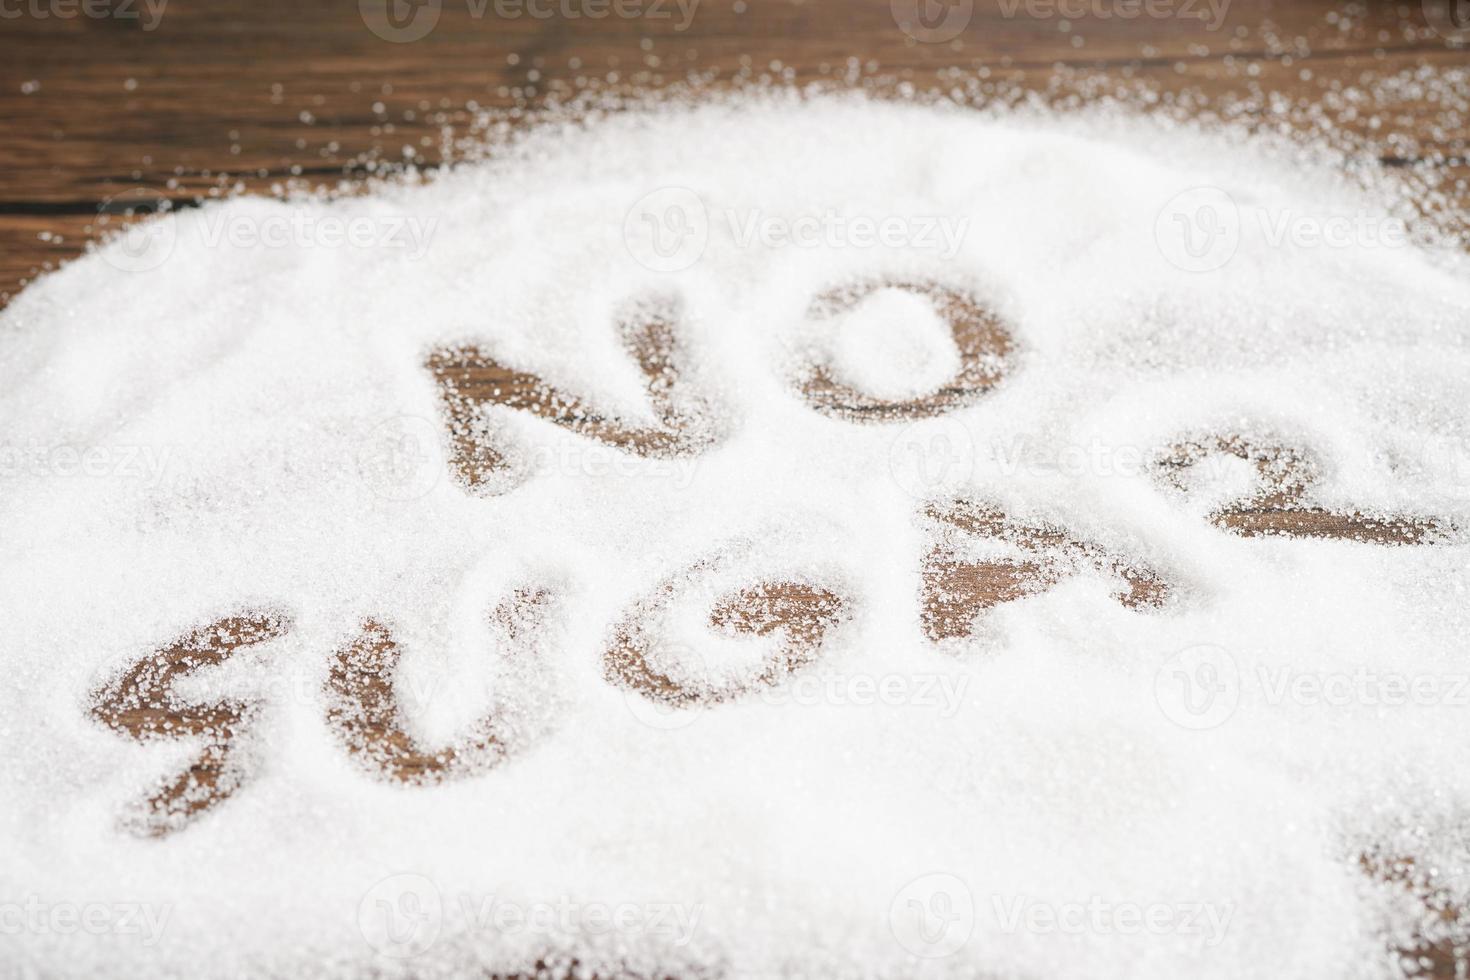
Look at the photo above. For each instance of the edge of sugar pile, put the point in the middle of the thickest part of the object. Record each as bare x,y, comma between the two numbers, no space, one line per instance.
792,828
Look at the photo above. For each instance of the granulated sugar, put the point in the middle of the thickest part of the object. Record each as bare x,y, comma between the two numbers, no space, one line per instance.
597,530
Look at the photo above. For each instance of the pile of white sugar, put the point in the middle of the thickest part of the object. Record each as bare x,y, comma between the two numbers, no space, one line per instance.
228,412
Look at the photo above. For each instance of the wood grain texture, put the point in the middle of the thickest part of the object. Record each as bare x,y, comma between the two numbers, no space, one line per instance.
798,613
212,95
367,718
142,705
1280,505
471,381
983,342
956,589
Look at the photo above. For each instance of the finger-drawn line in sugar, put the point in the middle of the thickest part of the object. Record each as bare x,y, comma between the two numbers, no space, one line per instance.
956,588
1439,943
366,715
799,613
1279,505
984,341
471,380
143,706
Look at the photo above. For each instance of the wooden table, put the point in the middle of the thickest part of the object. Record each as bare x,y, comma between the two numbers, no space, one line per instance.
112,100
208,96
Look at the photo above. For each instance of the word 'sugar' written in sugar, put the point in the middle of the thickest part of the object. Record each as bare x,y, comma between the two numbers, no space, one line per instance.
797,613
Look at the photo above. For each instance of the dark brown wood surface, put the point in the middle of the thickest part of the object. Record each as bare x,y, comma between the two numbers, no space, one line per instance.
204,96
117,99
